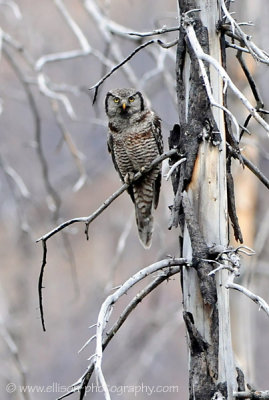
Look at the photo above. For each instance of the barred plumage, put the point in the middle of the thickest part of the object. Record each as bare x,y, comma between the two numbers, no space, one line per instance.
135,140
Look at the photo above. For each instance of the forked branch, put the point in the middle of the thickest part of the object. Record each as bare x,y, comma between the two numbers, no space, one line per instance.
87,220
168,268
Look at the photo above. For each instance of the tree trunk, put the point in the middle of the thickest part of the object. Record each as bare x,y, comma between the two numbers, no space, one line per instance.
200,208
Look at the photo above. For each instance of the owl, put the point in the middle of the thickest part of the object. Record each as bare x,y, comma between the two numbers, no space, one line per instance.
134,141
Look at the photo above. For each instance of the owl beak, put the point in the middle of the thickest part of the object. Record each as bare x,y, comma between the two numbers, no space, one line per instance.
124,106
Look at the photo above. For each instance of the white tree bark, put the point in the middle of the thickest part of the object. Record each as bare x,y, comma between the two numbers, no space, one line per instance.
207,193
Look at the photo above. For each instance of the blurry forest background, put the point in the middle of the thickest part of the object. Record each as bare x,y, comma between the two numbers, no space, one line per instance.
64,171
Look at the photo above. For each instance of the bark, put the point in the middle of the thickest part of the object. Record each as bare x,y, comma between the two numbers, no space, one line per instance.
201,209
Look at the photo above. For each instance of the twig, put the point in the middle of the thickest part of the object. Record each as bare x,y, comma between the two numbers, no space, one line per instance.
40,283
161,31
17,179
257,299
252,167
174,166
236,47
251,81
86,344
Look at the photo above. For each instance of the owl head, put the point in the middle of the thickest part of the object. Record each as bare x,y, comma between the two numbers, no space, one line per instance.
123,102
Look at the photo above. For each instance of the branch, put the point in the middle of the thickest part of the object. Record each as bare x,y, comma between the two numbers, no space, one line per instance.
74,26
164,29
142,46
91,218
99,83
37,126
257,299
46,91
202,56
253,394
174,167
16,178
252,167
255,51
106,31
169,268
13,6
76,154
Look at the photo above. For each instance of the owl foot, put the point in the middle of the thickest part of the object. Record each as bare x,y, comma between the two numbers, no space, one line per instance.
142,170
129,178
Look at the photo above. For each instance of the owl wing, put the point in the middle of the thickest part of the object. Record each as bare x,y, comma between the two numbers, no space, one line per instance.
111,151
157,133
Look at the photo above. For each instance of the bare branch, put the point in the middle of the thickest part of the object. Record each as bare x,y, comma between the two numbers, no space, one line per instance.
253,394
105,29
107,307
74,26
202,56
99,83
161,31
174,167
76,154
142,46
252,167
89,219
13,6
53,195
257,299
44,89
255,51
40,284
169,268
109,200
16,178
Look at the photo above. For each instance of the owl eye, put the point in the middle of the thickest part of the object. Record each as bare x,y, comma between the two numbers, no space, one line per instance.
131,99
116,100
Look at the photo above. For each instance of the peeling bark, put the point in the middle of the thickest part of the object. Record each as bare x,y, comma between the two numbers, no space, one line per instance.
200,208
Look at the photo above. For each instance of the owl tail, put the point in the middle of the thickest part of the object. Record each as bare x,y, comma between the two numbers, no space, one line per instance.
145,226
145,199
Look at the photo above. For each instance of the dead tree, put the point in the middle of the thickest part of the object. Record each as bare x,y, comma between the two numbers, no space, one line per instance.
206,138
201,211
204,197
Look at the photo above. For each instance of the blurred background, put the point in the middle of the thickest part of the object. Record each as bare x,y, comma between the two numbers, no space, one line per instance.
54,166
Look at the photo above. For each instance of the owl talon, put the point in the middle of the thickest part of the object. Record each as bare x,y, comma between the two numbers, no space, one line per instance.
129,178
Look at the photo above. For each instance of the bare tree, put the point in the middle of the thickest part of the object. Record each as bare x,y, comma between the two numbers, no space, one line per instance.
202,147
